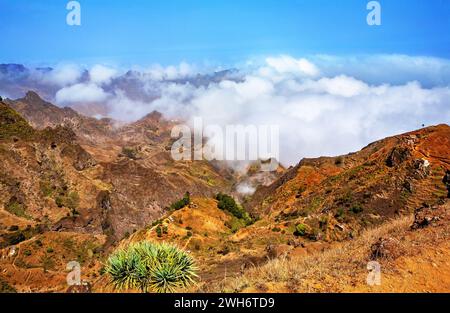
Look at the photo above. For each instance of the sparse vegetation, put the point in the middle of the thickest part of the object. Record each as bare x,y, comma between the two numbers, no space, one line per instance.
339,160
13,125
181,203
335,268
47,263
339,213
5,287
323,223
71,201
18,236
151,267
16,208
130,153
13,228
235,224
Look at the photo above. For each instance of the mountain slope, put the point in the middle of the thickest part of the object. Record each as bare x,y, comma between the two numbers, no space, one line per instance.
71,192
133,162
335,197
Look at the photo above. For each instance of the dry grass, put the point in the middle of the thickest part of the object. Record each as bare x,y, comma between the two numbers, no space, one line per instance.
329,271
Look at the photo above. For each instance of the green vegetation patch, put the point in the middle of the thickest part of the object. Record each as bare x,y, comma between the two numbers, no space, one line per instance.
181,203
301,230
16,208
227,203
6,288
12,125
130,153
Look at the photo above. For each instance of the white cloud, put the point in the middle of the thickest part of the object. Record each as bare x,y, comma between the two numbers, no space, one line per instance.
245,189
286,64
158,72
81,93
126,110
64,75
342,85
100,74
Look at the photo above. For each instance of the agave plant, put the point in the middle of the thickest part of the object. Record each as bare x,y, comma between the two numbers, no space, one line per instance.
151,267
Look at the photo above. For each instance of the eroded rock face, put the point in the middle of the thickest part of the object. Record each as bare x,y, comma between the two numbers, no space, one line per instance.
397,156
422,168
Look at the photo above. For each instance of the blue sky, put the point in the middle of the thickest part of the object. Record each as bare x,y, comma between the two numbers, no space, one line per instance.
224,31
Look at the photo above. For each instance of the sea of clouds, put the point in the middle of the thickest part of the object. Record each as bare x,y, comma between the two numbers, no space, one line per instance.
324,105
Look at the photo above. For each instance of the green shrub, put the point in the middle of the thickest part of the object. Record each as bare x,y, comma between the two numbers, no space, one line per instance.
5,287
46,188
339,160
60,201
13,239
158,230
235,224
71,201
13,228
300,230
323,223
157,222
339,213
50,250
227,203
47,263
181,203
130,153
16,208
151,267
356,209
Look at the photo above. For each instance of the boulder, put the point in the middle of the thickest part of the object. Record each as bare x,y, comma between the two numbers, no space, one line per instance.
426,216
385,248
422,168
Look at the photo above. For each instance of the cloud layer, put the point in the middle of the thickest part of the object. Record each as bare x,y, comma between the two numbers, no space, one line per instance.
324,105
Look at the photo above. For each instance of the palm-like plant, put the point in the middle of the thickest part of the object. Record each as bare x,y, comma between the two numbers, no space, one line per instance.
151,267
